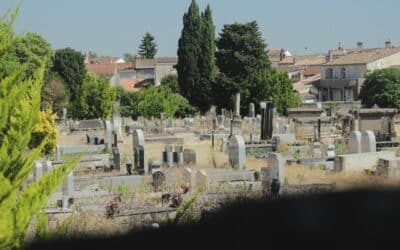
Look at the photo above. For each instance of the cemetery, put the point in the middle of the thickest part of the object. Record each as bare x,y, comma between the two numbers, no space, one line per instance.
155,165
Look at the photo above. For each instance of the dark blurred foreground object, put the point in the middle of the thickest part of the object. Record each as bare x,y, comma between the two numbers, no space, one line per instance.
361,219
275,186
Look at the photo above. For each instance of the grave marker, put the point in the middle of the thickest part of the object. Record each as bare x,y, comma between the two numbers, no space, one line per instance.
355,142
368,142
237,152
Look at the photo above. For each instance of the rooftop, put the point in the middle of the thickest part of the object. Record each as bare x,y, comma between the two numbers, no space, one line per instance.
364,56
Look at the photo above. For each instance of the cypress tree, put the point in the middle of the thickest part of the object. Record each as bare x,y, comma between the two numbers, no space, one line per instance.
188,55
207,58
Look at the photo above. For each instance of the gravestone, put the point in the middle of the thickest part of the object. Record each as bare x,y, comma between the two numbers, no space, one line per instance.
179,153
213,112
38,170
64,115
331,154
169,155
158,181
189,176
368,141
224,144
189,157
267,113
276,169
252,111
68,190
117,158
169,122
355,142
237,152
108,134
117,120
138,150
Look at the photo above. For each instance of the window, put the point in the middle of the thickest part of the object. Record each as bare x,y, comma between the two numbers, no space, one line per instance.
343,73
329,73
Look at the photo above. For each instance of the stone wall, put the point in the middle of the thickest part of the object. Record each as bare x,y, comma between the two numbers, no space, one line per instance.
360,162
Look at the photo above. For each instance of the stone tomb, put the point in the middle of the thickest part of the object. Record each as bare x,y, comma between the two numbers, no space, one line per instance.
237,152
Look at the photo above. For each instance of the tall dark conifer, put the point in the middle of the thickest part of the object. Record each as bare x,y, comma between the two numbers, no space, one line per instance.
189,49
207,58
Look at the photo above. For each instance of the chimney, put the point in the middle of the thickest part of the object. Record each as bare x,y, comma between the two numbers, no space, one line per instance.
388,44
282,55
359,45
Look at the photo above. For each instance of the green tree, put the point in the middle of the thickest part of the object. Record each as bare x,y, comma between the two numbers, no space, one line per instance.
54,94
148,46
268,84
95,100
241,51
70,65
206,62
156,100
30,50
382,87
171,81
128,57
189,50
46,127
19,105
128,103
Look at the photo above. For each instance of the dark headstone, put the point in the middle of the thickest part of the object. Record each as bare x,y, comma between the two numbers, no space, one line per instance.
117,158
139,160
189,156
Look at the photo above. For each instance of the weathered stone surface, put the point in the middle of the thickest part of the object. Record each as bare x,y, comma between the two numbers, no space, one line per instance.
84,125
355,142
237,152
38,168
361,161
108,134
368,142
209,176
275,164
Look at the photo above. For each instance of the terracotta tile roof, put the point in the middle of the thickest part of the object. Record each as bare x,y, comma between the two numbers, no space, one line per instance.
107,69
364,56
131,85
312,70
169,60
142,63
289,68
307,60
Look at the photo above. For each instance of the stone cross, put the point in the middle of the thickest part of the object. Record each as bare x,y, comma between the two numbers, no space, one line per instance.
368,141
355,142
237,152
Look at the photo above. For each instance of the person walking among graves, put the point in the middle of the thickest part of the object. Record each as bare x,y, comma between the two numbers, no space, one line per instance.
275,187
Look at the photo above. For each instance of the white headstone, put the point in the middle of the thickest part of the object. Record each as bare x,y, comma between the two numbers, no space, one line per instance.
108,134
237,105
237,152
276,169
368,142
137,138
117,120
64,117
355,142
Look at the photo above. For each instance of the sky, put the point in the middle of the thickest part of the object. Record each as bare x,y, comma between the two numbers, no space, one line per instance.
116,27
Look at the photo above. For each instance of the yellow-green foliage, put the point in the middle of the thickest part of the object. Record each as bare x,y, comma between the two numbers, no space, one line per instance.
19,109
46,128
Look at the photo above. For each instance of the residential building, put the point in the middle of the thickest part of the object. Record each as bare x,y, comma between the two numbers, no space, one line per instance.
164,66
343,77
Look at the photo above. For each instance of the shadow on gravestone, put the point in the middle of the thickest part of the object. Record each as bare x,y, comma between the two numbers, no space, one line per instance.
368,142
